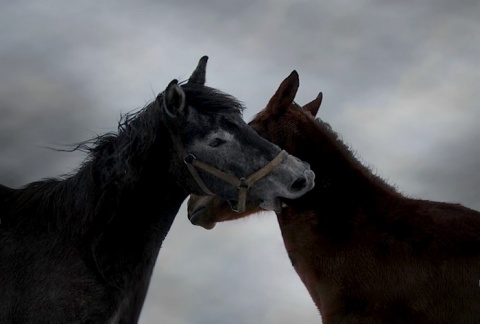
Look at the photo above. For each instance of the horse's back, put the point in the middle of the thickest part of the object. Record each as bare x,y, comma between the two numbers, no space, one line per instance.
5,194
453,224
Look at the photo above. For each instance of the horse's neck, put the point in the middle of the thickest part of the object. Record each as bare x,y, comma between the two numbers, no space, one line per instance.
345,195
133,218
124,250
319,226
342,181
128,245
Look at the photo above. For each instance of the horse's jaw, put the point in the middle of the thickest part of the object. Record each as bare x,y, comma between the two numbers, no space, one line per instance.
273,205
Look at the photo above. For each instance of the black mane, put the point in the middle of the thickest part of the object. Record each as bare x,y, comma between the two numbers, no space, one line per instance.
113,162
212,100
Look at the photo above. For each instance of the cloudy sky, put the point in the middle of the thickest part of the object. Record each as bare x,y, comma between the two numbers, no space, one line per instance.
401,84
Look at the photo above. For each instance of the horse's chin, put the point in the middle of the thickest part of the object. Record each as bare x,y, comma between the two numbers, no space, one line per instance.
274,205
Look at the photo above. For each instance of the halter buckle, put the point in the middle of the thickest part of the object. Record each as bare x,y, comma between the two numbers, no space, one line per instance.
243,184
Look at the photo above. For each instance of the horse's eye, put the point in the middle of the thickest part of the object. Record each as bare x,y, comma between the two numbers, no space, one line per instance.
217,142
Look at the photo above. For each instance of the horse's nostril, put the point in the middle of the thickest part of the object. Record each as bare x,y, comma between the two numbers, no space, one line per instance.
299,184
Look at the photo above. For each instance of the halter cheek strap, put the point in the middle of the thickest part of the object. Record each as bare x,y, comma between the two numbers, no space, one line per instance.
243,184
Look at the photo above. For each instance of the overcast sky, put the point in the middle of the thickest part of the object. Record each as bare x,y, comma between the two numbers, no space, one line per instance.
401,84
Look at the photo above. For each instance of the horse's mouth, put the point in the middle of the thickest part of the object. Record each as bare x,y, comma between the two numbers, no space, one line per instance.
196,218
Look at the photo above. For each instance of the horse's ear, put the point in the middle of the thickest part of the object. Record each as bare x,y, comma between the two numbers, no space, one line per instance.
174,99
285,94
198,76
313,106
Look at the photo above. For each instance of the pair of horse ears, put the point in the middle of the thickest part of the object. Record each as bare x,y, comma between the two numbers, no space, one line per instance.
174,96
285,95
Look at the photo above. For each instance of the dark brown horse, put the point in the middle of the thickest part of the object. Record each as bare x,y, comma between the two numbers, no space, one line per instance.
365,252
81,249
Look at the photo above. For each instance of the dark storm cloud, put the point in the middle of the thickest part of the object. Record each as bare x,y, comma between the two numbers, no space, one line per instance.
453,169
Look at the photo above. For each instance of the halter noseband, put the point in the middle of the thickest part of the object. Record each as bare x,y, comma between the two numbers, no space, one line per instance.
243,184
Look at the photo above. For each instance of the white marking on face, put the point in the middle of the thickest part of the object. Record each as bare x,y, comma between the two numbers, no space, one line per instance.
217,148
219,137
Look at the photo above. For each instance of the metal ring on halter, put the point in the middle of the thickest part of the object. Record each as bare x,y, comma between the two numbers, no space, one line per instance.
189,158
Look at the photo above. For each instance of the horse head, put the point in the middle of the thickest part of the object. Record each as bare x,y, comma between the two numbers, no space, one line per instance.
217,153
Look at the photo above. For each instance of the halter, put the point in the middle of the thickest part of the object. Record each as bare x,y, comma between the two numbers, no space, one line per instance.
243,184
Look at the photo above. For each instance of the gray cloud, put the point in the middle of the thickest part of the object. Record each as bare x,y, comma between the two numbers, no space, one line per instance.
400,80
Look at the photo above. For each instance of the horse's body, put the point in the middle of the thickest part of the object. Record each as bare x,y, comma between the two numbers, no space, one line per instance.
81,249
365,252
